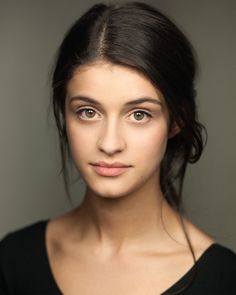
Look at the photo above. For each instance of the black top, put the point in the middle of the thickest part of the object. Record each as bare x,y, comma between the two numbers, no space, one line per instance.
25,269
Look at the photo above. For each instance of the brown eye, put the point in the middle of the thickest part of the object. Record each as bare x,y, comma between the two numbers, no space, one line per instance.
139,115
86,113
89,113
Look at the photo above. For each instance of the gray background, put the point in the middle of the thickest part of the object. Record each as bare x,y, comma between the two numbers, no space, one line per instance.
30,188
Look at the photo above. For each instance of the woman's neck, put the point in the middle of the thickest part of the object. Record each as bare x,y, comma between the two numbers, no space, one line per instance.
132,221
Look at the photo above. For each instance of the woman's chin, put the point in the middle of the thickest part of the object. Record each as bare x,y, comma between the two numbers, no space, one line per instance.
111,193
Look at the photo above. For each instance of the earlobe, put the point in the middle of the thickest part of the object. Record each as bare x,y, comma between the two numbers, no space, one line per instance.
174,130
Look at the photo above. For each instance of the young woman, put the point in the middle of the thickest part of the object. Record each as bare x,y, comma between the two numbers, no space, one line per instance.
124,103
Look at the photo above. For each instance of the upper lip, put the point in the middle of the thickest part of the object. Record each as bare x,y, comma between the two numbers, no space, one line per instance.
110,165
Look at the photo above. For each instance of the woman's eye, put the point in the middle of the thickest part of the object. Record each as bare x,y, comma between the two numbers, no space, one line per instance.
140,115
86,113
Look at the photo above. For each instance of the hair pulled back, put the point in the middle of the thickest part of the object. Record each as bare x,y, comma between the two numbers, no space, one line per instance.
139,36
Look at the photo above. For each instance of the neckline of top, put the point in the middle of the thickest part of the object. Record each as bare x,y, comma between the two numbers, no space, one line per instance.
201,258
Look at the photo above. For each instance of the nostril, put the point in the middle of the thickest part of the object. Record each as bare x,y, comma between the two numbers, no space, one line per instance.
109,150
111,145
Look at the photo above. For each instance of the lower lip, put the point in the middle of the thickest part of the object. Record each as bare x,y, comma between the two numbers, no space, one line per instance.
110,171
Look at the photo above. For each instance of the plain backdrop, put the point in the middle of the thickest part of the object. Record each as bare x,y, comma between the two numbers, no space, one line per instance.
30,186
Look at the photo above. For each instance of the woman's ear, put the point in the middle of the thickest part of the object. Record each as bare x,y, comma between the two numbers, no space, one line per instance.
174,130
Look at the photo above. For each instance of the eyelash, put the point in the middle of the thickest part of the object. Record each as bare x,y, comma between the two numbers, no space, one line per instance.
80,112
145,113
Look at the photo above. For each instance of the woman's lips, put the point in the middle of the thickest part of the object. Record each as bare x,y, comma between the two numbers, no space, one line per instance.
110,169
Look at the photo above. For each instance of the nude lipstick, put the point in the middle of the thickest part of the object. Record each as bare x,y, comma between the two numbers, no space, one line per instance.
110,169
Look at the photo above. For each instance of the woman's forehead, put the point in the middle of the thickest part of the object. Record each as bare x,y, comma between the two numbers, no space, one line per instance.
102,80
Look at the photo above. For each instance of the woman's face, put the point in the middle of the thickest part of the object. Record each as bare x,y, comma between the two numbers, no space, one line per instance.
117,128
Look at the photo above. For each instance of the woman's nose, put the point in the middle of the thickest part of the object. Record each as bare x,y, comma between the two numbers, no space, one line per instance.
111,140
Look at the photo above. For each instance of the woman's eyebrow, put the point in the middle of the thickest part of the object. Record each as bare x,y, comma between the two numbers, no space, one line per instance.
129,103
85,99
143,100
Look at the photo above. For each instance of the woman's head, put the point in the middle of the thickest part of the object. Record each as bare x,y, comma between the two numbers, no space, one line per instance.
137,36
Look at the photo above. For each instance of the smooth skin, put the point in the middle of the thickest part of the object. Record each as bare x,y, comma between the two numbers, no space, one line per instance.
124,238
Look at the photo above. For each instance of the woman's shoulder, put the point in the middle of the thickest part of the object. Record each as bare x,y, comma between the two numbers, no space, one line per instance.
20,251
19,246
213,273
217,271
219,257
215,264
23,261
215,252
23,235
